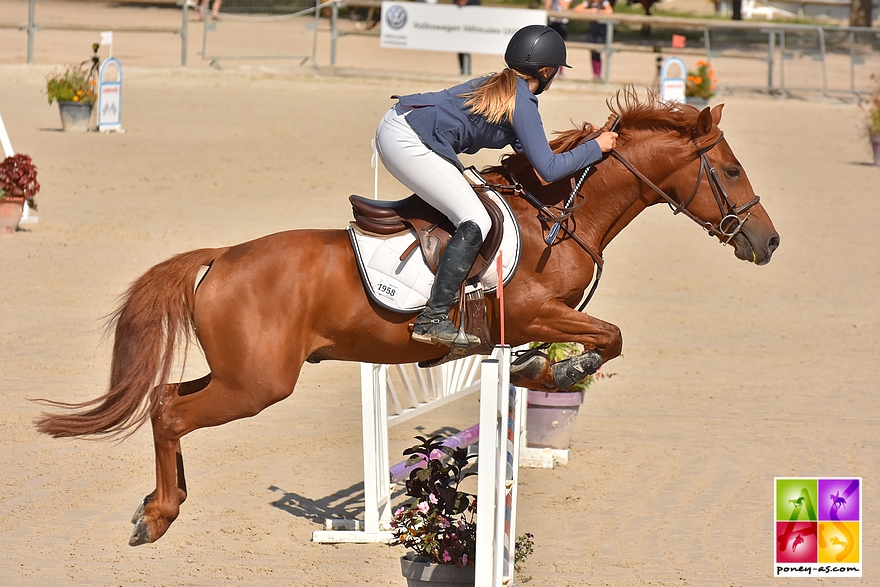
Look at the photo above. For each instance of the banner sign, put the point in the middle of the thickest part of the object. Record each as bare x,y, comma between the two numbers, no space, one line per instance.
452,28
110,97
672,87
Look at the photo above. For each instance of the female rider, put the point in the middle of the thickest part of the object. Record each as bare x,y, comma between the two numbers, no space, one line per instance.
419,139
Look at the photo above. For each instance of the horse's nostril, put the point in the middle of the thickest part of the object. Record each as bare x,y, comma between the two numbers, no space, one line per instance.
774,243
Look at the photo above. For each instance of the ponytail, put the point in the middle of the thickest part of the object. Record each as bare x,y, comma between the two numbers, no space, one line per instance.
496,99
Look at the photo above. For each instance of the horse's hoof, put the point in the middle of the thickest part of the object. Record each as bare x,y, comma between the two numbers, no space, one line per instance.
140,534
567,373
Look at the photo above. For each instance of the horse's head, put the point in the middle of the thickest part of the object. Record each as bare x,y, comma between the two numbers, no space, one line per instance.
698,174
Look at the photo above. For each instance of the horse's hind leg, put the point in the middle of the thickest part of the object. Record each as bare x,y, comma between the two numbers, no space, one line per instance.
141,534
218,402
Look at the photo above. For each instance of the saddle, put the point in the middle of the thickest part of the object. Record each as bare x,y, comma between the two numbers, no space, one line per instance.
433,230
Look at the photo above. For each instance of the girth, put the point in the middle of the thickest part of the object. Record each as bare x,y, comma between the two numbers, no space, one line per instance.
433,230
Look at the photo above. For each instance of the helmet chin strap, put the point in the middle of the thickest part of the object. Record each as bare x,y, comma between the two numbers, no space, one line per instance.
543,82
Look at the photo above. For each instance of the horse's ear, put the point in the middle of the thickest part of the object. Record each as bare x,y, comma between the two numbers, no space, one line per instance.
716,113
706,122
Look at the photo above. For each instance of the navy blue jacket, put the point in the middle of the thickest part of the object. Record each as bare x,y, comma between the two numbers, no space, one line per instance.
448,128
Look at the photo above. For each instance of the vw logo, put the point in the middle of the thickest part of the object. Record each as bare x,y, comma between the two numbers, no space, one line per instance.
396,17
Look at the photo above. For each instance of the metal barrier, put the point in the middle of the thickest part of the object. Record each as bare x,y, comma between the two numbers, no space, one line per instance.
852,54
798,59
256,29
32,28
793,57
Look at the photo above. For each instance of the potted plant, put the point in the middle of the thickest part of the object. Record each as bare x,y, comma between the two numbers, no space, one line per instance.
550,415
700,85
871,106
439,525
18,186
75,90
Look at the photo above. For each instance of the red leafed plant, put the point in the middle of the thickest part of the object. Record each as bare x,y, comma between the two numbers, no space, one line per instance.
18,179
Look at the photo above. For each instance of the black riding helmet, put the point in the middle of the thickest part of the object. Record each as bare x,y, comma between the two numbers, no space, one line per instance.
534,47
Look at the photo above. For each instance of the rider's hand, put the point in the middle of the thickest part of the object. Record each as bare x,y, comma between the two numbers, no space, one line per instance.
606,141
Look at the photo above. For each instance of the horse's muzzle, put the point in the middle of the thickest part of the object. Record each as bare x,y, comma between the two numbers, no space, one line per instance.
755,246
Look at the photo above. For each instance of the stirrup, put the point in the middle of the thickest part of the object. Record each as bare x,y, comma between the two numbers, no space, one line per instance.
441,330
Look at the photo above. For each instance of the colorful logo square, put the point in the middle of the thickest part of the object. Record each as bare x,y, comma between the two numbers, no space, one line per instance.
817,527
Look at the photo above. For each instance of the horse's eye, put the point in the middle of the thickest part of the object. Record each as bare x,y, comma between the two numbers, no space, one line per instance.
732,172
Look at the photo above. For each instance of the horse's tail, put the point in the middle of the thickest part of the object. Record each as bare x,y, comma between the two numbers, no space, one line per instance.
155,314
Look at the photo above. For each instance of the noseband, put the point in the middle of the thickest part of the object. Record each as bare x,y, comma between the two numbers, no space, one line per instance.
730,224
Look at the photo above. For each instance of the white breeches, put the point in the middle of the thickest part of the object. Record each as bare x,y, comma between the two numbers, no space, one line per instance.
433,178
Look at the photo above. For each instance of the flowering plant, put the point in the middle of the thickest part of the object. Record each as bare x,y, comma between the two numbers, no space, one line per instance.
18,179
76,83
701,83
871,105
439,525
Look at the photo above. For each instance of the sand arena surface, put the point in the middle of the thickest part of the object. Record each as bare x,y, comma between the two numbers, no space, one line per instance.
731,374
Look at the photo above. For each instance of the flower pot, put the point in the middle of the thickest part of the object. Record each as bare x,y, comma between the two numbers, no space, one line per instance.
419,574
75,116
875,143
10,214
696,102
550,418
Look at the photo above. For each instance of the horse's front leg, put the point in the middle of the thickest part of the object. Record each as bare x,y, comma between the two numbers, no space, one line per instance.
534,370
556,322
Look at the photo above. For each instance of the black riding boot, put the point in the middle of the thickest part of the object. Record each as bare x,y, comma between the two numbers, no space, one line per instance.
433,325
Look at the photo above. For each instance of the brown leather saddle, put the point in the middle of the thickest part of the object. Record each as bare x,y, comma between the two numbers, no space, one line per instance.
432,228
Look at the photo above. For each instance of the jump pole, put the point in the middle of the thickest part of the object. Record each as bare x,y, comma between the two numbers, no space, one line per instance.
4,139
502,412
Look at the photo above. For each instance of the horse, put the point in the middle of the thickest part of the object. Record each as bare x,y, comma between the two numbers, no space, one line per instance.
267,306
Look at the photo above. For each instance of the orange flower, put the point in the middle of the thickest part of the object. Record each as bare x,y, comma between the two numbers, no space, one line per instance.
76,98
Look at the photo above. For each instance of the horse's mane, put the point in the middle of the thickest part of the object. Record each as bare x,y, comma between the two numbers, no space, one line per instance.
650,113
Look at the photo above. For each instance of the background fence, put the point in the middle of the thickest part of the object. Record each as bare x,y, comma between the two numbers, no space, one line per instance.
260,29
797,59
766,56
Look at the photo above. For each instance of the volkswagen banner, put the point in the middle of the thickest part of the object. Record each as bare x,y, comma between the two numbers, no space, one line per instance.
452,28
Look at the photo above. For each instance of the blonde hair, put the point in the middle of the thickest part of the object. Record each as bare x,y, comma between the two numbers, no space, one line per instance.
496,99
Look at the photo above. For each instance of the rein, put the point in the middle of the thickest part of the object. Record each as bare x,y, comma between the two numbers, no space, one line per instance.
729,226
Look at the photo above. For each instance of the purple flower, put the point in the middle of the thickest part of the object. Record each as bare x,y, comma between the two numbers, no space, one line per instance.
446,557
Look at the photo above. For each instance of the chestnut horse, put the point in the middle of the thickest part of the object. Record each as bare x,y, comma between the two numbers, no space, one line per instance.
267,306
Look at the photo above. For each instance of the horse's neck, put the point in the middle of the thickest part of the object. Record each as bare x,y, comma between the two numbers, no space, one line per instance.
615,196
612,203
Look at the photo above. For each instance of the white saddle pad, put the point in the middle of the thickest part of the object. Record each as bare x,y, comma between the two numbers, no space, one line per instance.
405,286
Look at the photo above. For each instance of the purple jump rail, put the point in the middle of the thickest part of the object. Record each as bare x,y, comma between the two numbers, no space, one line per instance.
400,471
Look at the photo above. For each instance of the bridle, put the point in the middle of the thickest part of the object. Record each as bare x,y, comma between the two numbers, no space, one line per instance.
730,225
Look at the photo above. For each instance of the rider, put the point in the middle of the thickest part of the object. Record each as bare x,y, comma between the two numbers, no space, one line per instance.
419,139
